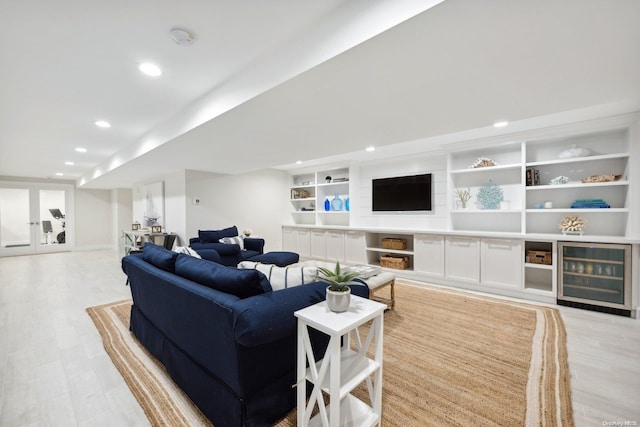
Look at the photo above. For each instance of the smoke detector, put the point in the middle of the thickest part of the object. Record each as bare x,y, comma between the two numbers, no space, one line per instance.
182,36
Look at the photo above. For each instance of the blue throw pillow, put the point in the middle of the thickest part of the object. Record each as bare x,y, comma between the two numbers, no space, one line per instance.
214,236
160,257
229,280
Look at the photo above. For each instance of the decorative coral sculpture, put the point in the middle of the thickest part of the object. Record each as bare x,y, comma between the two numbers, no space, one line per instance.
490,195
463,197
572,224
483,162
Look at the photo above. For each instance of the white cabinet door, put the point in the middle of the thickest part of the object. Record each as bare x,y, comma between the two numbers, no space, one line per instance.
501,262
335,245
289,240
429,254
355,248
304,243
462,255
318,244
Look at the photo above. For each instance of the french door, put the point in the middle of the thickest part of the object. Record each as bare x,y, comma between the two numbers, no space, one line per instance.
35,218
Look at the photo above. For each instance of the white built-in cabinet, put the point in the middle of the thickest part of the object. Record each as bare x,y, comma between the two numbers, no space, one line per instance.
429,254
462,255
297,240
486,249
500,261
355,247
326,244
335,245
318,244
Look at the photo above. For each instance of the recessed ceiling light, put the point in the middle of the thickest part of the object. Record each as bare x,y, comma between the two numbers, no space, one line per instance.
370,149
299,162
150,69
500,124
69,163
103,124
81,150
59,174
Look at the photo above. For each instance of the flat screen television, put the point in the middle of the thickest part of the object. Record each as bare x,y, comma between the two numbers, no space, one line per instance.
402,193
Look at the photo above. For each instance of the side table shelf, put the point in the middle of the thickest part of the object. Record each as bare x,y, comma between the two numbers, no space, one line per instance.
343,367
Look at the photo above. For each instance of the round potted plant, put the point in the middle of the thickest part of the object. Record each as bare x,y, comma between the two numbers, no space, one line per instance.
338,291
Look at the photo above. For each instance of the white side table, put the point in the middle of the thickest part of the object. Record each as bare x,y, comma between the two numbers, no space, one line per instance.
342,368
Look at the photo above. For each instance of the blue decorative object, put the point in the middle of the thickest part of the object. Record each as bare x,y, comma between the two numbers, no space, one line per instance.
327,204
490,195
346,204
336,203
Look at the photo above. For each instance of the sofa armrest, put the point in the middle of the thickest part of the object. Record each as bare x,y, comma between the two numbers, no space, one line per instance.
268,317
254,244
193,240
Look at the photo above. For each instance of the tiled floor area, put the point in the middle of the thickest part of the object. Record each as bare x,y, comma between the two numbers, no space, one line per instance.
55,372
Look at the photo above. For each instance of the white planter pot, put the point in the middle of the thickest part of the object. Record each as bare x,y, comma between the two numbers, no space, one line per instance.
338,301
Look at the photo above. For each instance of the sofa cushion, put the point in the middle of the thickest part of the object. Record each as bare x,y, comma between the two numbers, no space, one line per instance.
283,277
237,240
159,257
214,236
187,251
241,283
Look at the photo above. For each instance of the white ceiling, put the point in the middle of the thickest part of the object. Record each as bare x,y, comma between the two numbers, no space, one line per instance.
268,83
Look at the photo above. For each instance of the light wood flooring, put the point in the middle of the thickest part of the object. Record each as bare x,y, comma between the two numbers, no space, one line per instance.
55,372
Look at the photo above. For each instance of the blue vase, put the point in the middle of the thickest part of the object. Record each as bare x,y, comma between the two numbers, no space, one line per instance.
346,204
336,203
327,204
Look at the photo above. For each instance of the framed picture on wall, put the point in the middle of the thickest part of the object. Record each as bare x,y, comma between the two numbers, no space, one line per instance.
148,204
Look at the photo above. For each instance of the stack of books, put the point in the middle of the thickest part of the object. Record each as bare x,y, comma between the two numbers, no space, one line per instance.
589,204
533,177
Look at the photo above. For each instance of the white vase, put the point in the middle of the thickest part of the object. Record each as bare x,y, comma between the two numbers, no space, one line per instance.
338,301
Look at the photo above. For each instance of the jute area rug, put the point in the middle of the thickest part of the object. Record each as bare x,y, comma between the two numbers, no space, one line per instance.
450,357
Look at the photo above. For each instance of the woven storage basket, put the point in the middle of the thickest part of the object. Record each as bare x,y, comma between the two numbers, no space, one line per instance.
539,257
390,243
394,261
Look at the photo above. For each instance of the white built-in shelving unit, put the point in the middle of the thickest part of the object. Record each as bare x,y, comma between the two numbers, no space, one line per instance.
609,154
310,191
486,249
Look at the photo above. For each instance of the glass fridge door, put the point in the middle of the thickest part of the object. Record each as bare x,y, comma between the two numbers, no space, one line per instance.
595,273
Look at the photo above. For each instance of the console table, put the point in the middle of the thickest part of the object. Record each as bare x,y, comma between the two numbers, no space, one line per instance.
342,368
135,239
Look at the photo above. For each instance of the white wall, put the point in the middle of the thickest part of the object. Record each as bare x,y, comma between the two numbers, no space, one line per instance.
121,214
361,214
255,200
175,206
93,219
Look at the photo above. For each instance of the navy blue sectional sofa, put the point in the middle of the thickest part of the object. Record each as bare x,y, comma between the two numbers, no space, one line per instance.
224,336
230,254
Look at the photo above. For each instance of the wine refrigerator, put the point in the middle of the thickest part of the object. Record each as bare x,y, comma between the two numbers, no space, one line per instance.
595,277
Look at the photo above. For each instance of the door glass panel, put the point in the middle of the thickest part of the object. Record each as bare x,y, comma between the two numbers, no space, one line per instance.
52,217
15,227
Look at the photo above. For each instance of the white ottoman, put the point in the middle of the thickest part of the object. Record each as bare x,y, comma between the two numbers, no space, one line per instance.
375,283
